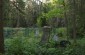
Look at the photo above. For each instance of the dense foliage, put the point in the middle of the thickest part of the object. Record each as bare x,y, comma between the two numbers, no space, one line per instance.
30,46
29,23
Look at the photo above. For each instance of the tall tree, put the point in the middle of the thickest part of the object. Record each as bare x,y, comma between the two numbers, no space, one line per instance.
6,15
74,21
65,16
21,5
1,28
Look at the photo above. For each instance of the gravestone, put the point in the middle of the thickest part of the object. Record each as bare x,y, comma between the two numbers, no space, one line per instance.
55,38
46,34
36,32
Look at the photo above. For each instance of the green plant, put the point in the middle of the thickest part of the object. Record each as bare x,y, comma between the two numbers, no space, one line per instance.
30,46
61,32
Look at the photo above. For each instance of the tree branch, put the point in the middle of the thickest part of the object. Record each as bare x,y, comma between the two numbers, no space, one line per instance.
18,8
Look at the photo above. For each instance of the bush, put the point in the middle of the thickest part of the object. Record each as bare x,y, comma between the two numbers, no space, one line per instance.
29,46
61,32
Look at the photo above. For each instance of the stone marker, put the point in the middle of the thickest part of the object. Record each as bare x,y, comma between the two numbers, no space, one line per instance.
46,34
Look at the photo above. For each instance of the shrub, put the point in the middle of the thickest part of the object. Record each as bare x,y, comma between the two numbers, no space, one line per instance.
61,32
29,46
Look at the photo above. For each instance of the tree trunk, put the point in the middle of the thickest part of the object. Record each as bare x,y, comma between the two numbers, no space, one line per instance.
74,22
66,19
1,28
